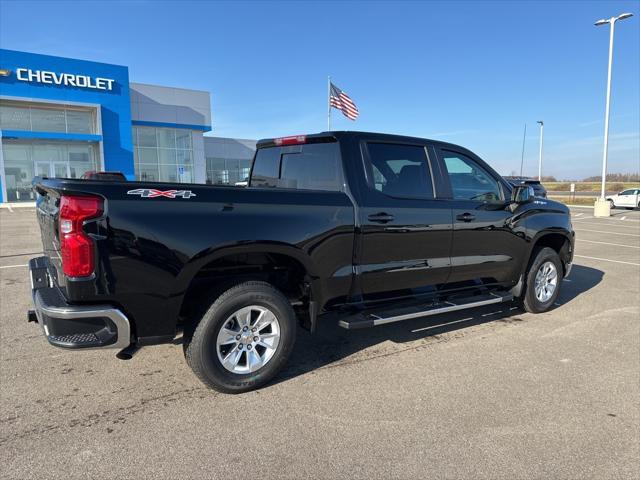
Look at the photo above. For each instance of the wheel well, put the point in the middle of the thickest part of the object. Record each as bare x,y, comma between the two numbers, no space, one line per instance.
282,271
557,242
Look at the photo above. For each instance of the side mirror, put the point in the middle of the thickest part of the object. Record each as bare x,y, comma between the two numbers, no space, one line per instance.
522,194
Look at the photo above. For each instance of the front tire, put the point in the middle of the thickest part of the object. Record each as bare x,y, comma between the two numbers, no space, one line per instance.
612,205
543,280
244,338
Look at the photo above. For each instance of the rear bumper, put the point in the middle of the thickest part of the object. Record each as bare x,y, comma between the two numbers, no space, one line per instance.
75,326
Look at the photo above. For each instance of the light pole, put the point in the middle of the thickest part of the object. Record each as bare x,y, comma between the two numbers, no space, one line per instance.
541,123
612,22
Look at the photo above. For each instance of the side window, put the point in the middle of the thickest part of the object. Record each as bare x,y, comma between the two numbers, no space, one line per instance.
628,192
266,168
315,166
400,170
469,181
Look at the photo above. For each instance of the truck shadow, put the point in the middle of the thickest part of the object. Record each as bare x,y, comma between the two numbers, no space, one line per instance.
332,346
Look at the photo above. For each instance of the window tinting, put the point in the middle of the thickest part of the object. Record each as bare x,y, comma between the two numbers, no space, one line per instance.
469,181
400,170
266,168
313,166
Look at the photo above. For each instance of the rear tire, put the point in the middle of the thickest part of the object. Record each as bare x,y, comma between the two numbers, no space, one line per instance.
543,280
243,340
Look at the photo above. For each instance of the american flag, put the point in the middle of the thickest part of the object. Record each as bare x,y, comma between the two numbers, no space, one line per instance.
340,100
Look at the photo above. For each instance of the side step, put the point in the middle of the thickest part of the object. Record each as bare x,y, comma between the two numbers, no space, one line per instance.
373,318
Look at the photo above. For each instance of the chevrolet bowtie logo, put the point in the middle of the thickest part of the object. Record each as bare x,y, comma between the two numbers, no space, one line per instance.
4,72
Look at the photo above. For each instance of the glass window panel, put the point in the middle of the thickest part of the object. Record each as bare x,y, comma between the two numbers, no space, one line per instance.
469,180
183,138
147,173
266,168
80,153
49,152
185,174
184,157
166,138
48,120
14,118
148,155
314,167
167,156
79,121
168,173
77,169
400,170
147,137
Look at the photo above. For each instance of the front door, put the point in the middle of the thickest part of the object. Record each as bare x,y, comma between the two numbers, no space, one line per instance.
406,231
485,249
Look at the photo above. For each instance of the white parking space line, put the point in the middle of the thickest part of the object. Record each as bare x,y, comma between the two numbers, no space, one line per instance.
608,260
607,243
609,233
617,224
15,266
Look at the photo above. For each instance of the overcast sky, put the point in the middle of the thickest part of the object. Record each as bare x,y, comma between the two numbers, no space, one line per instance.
471,73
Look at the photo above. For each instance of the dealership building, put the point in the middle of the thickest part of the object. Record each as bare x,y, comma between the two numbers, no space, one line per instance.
62,117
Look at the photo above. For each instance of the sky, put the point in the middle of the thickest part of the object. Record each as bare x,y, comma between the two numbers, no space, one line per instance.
466,72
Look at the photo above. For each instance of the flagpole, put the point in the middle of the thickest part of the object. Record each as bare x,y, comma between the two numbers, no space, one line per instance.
328,103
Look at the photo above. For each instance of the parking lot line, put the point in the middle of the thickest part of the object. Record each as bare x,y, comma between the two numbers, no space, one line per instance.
14,266
607,243
617,225
610,233
608,260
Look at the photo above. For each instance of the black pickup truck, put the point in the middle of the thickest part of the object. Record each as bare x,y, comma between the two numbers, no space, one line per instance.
357,228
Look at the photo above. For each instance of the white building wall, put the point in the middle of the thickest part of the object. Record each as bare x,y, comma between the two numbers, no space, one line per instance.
154,103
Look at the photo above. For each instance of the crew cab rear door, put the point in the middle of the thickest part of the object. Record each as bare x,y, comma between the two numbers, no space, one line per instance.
485,249
406,231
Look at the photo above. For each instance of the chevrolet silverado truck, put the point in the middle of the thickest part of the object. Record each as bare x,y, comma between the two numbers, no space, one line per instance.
361,229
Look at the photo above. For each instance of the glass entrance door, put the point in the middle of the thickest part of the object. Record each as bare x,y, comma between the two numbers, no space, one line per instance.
60,169
43,169
52,169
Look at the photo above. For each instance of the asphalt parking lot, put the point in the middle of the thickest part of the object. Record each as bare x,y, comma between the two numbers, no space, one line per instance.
486,393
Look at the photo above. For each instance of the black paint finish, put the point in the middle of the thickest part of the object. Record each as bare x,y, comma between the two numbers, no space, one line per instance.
354,246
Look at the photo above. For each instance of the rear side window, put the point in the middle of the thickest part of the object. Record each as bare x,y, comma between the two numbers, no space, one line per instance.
314,166
400,170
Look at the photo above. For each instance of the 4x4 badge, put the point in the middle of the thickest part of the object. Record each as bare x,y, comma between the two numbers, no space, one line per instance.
153,193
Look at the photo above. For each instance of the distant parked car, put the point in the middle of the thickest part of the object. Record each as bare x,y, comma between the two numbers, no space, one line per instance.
629,198
538,188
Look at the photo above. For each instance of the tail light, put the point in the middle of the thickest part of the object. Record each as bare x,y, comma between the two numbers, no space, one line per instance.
76,247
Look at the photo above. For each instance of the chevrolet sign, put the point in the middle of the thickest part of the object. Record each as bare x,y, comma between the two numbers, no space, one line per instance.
66,79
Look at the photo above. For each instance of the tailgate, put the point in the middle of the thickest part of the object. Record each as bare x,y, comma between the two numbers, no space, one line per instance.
47,211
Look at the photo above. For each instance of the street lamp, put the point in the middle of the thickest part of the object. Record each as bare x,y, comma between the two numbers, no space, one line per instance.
612,22
541,123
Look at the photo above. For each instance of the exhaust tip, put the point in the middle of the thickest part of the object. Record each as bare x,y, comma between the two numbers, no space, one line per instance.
127,353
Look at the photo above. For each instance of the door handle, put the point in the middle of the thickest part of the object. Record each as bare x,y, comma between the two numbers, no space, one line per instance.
466,217
381,217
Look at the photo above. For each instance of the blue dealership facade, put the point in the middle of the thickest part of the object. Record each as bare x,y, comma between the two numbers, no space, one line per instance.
63,117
